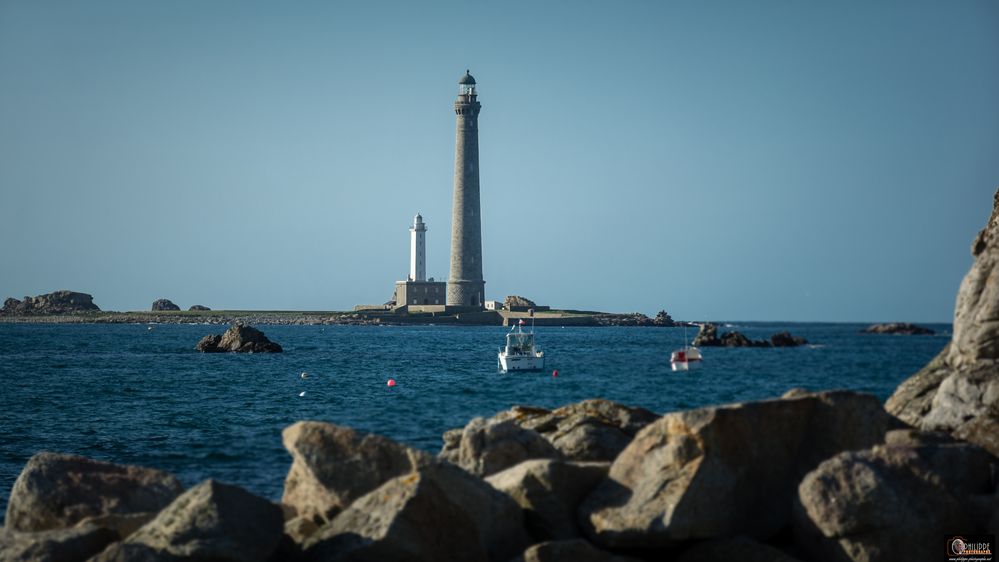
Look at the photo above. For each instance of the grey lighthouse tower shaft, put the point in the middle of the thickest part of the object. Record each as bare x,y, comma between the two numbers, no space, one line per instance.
465,286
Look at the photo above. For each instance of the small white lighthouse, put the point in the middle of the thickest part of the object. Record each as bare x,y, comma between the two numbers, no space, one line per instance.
418,250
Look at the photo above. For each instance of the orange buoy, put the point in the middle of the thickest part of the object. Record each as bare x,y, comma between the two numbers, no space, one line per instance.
555,373
391,382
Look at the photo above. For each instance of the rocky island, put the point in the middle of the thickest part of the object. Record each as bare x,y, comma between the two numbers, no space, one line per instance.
59,302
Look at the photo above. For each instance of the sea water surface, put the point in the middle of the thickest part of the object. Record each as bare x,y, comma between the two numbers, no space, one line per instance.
130,394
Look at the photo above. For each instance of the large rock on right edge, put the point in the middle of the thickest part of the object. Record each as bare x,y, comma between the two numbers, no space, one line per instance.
962,383
896,501
56,490
725,470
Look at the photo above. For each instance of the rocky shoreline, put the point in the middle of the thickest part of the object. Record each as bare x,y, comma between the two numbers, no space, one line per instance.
810,476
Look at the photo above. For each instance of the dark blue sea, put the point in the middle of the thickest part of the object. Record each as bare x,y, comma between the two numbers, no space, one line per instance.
127,394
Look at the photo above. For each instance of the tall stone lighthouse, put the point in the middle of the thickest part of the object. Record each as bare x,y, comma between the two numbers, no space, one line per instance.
465,286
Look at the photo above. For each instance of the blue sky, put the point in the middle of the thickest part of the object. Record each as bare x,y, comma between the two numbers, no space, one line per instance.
727,160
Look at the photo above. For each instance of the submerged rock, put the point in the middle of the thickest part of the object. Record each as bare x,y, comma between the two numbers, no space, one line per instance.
55,491
59,302
903,328
668,485
238,338
160,305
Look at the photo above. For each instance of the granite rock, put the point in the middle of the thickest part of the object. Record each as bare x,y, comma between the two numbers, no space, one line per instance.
59,302
570,550
895,501
591,430
199,307
438,512
240,339
332,466
64,545
667,485
160,305
901,328
214,521
550,491
489,446
958,391
56,490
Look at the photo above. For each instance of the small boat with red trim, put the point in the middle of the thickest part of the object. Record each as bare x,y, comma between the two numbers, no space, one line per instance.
686,358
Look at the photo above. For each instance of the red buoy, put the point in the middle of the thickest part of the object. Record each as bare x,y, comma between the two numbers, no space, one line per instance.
555,373
391,382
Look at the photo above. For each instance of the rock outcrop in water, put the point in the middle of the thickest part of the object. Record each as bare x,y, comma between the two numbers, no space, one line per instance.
161,305
199,307
898,328
958,391
707,336
59,302
238,339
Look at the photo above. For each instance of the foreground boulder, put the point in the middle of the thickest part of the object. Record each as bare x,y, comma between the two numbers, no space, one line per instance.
739,548
894,501
573,550
332,466
901,328
486,447
59,302
591,430
958,391
76,543
55,491
211,521
725,470
240,339
438,512
549,492
160,305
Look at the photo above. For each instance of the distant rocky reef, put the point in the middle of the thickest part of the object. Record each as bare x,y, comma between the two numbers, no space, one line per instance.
707,336
662,320
899,328
59,302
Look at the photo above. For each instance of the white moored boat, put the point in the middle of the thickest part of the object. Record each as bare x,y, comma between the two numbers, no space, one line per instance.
519,353
685,359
